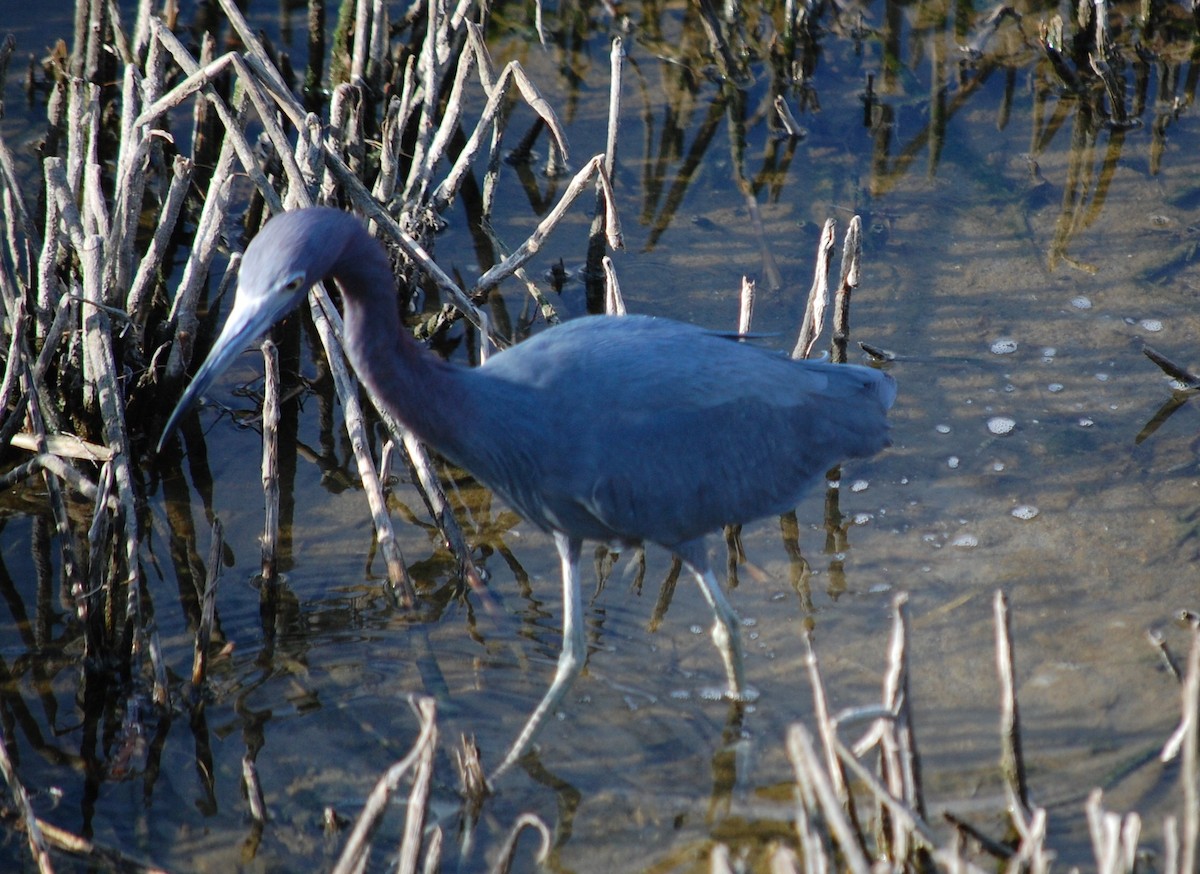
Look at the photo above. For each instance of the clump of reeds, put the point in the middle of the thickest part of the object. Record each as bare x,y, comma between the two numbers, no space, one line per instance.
154,144
860,805
98,346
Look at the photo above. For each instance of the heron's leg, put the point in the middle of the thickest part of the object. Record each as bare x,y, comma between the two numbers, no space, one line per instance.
570,662
726,631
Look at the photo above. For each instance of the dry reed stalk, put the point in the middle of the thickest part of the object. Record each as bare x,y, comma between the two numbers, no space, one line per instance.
137,303
614,303
1177,372
232,117
1031,853
418,807
544,307
431,63
507,853
72,574
897,698
416,191
195,271
820,802
1184,742
270,461
98,336
746,305
29,821
1012,762
513,75
851,258
347,390
55,464
825,725
354,854
208,609
818,295
596,241
1114,838
392,132
592,169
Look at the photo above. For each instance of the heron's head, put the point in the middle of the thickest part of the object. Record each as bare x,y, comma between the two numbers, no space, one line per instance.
292,252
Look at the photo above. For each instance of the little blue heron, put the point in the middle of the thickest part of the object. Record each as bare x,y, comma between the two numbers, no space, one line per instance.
621,430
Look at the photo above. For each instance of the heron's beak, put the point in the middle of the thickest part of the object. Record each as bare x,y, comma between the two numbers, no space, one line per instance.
251,316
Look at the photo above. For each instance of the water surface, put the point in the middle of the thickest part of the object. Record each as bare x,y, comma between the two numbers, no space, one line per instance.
1019,252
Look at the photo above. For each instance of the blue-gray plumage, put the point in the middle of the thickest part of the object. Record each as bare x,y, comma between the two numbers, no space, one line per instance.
623,429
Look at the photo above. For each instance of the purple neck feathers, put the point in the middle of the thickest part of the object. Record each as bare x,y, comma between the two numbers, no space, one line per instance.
421,390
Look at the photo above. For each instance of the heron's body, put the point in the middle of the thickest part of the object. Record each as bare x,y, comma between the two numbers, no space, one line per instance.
618,429
648,429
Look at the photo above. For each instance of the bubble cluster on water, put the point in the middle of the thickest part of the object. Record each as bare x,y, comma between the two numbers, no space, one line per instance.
952,462
1025,511
1004,346
965,541
862,518
1151,325
1055,387
1001,425
860,485
1086,422
1081,302
942,429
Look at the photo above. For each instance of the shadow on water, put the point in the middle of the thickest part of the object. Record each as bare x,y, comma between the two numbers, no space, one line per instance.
1028,187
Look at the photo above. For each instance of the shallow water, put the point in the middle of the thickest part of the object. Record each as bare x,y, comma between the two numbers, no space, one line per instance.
1018,254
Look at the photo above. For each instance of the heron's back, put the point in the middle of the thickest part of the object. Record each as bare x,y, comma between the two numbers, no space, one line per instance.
648,429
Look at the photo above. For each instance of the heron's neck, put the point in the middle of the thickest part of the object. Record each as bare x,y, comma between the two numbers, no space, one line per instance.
424,392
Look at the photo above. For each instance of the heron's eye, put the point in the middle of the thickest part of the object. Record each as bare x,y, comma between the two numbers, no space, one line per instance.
293,285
